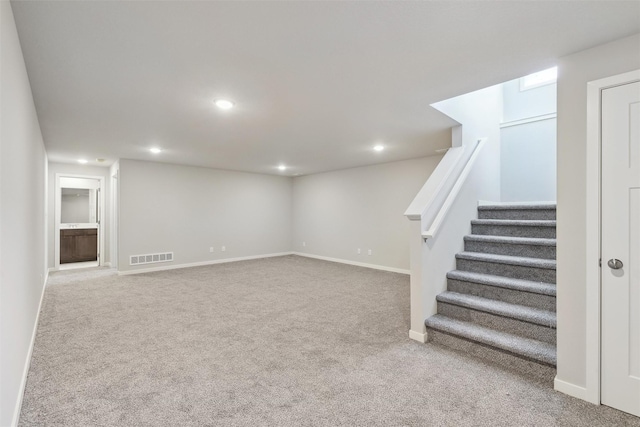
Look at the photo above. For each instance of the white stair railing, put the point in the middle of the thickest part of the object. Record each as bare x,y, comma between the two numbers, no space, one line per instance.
453,194
432,211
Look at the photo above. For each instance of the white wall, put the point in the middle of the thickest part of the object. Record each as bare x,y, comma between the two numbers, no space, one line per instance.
479,114
23,177
528,150
518,105
186,210
528,162
77,169
574,72
335,213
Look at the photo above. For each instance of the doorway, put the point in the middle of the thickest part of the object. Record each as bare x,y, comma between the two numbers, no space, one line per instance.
114,218
79,209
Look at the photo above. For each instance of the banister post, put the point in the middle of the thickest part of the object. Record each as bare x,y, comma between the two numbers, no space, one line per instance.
418,330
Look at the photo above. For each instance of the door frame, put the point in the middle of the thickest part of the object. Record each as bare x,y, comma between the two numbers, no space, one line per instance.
593,227
115,206
57,213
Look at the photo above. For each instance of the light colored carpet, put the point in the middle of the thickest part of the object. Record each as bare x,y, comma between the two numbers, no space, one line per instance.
77,275
286,341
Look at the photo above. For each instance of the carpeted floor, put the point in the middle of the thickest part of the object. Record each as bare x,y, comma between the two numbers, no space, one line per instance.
286,341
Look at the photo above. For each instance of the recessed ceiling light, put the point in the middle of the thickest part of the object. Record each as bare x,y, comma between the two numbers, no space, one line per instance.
223,104
83,161
155,150
282,167
378,147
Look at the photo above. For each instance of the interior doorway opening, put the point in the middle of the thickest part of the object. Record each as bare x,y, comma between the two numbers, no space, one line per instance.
79,210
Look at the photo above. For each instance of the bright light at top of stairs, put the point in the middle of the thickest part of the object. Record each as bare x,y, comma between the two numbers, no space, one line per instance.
540,78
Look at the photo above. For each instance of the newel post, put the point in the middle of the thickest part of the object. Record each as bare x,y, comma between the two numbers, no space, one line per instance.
418,330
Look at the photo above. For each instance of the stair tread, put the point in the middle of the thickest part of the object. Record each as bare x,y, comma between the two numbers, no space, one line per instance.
516,222
525,347
516,206
539,241
508,259
530,286
500,308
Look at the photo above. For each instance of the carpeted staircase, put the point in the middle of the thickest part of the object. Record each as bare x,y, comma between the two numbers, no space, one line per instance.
502,296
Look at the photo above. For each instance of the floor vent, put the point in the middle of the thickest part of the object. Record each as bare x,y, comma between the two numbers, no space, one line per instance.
150,258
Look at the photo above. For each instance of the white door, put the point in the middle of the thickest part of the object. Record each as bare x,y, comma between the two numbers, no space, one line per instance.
620,369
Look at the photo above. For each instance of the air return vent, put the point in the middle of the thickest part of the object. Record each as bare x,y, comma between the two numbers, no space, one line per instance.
150,258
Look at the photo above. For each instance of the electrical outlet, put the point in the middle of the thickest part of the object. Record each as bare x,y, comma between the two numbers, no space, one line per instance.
211,249
359,251
224,248
304,244
370,251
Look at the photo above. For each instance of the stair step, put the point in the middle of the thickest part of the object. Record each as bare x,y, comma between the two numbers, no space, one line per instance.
500,308
522,222
535,241
517,206
498,323
508,245
524,211
527,348
504,282
511,260
514,291
533,269
514,228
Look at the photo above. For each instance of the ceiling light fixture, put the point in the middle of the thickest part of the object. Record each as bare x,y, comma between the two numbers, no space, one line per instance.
83,161
224,104
378,147
282,167
155,150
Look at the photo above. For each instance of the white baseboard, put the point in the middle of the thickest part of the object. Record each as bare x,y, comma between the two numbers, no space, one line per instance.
200,264
418,336
356,263
106,264
27,364
571,389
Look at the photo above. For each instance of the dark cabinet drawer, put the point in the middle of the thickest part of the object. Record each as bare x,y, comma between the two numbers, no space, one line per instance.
79,232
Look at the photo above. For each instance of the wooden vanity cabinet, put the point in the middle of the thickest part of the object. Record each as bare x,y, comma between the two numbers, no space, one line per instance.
78,245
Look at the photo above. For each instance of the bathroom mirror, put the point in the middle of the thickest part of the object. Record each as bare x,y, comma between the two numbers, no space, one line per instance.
78,205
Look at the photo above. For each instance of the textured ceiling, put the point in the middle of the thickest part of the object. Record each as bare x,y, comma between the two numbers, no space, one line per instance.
316,83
